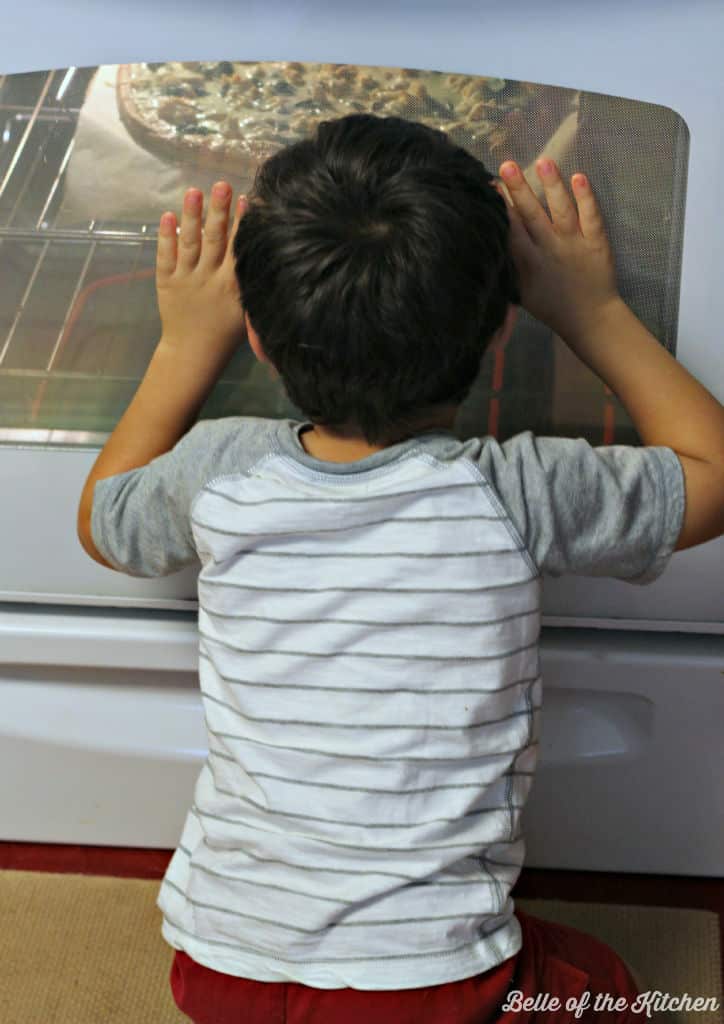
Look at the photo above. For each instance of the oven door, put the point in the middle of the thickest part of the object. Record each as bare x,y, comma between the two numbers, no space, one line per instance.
79,206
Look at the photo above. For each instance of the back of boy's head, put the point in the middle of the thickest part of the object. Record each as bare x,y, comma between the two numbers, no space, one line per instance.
374,264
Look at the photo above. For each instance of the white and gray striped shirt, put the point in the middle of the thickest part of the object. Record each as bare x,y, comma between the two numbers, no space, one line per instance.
368,663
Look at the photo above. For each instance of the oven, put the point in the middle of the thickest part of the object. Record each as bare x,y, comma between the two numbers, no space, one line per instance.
103,720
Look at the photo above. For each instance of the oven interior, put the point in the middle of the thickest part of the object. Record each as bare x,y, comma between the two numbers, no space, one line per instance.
78,316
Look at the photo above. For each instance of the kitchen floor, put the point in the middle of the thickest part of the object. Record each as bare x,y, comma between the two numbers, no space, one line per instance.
534,883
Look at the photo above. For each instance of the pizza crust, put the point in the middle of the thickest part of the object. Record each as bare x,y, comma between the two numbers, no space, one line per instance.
161,139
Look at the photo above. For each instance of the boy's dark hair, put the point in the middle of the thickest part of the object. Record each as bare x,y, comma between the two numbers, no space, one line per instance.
374,265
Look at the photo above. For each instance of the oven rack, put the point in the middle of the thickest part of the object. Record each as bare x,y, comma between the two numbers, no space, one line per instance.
53,123
38,119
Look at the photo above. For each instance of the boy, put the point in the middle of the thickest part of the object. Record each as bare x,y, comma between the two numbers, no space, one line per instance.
369,592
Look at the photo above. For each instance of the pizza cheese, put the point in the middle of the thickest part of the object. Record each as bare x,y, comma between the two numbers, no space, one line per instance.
234,114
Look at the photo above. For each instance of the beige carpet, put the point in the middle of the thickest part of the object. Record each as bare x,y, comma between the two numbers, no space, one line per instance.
78,949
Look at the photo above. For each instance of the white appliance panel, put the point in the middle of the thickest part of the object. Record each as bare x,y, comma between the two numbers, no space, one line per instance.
46,564
104,731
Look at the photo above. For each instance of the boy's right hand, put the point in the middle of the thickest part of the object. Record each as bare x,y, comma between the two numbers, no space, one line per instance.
565,263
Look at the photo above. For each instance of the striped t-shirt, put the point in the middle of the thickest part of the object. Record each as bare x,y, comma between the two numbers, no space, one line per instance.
368,664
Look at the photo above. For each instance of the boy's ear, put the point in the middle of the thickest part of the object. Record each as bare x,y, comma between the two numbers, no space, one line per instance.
254,342
500,188
502,335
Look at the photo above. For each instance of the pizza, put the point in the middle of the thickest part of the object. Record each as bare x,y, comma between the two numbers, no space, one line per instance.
232,115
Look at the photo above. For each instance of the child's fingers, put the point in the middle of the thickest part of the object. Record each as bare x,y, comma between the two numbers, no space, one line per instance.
189,239
242,205
526,203
213,247
166,248
563,213
592,223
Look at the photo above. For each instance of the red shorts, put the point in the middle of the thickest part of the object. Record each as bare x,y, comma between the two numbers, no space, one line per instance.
555,961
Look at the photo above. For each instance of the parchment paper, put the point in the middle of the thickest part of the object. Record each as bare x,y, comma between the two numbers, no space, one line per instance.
111,178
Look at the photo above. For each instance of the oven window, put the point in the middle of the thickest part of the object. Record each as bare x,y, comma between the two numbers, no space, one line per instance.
90,158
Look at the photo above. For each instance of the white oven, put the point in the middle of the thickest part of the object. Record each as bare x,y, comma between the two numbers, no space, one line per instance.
102,719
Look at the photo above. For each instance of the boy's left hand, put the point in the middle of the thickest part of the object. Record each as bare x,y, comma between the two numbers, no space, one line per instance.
198,294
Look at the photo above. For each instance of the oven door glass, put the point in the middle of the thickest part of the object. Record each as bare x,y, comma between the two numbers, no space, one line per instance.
91,157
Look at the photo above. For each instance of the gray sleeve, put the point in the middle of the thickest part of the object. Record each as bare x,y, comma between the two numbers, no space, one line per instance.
613,510
141,519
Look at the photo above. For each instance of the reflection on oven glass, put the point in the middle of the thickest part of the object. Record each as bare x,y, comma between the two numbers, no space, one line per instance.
90,157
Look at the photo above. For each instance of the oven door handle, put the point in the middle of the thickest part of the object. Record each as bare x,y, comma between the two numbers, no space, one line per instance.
117,639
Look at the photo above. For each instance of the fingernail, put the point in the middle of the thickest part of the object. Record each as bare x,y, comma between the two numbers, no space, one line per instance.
508,171
546,166
193,200
220,190
167,222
